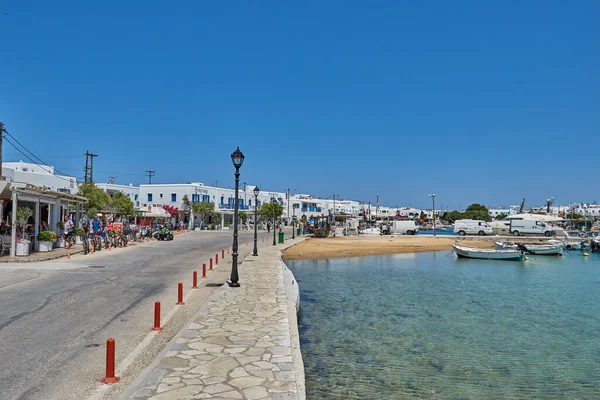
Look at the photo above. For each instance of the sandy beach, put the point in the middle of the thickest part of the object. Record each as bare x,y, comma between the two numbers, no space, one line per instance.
372,245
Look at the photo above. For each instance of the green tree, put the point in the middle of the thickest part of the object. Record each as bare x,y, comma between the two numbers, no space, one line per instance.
266,211
453,216
204,211
97,198
574,215
123,205
186,205
477,211
243,216
501,216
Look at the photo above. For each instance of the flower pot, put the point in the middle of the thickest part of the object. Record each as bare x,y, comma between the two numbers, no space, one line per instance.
45,246
78,240
60,242
23,248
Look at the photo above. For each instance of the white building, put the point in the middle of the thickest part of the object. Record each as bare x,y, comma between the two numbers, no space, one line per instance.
39,175
587,210
133,192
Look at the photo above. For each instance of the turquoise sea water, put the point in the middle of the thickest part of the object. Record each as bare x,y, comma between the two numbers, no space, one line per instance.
431,326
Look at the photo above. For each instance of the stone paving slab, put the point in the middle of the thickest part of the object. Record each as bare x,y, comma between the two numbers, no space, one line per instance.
238,346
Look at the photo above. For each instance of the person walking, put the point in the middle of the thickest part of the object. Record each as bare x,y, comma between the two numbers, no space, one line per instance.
69,230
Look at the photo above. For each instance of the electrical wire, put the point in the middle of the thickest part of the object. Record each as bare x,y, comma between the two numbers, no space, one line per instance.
33,161
46,164
27,150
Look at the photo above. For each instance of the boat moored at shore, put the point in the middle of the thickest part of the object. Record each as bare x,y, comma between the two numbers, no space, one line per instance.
488,254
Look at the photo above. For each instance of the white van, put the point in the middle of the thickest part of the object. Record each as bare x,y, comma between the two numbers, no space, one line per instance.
520,227
399,228
472,227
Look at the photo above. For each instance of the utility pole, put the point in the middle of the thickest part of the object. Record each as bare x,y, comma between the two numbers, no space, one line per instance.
288,204
245,204
150,174
377,208
89,166
334,209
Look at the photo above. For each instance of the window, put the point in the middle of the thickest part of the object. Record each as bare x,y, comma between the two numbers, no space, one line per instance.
249,203
160,195
129,195
173,197
222,199
149,197
136,197
205,198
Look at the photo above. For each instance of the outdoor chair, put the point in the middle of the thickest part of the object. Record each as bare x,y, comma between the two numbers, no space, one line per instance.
5,243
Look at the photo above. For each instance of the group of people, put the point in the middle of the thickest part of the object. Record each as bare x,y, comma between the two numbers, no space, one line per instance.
95,227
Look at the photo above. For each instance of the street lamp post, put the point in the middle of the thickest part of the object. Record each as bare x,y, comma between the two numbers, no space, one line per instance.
433,211
274,220
256,191
293,222
237,157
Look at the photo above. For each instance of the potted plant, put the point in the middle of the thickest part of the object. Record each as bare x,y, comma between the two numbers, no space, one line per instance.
46,240
79,235
60,225
21,218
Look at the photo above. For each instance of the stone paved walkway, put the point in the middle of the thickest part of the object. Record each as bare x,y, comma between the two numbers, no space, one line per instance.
238,345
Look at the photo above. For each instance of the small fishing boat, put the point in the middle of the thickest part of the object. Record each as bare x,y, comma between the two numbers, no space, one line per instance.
488,254
550,249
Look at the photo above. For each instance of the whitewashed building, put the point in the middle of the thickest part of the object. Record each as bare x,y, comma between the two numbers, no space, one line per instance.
39,175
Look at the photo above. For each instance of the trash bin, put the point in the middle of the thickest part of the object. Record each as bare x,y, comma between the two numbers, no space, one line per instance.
281,237
299,232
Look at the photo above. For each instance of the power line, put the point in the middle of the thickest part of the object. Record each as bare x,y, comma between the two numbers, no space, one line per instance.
33,161
27,150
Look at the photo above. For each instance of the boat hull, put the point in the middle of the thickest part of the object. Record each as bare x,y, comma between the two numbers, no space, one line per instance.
535,249
485,254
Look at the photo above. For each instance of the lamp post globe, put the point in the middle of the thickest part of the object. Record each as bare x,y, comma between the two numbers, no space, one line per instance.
256,191
237,157
274,220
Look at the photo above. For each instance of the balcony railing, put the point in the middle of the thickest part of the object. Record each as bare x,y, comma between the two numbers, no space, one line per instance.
232,206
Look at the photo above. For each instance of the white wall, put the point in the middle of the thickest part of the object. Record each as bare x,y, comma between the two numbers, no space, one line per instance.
39,176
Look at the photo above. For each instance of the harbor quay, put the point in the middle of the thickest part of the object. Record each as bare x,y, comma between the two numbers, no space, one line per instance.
243,342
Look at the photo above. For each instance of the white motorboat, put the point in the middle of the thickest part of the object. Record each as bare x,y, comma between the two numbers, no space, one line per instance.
488,254
551,249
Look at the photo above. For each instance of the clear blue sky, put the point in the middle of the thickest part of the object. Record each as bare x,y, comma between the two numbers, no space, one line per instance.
474,101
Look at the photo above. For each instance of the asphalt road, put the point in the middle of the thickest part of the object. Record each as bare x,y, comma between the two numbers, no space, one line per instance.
55,317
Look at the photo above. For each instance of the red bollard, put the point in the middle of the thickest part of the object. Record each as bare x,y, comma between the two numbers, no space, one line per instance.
217,259
157,327
222,253
110,363
210,269
195,280
203,270
180,294
246,243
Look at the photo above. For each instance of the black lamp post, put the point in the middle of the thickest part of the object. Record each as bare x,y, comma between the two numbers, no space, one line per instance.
293,222
238,159
256,191
274,220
